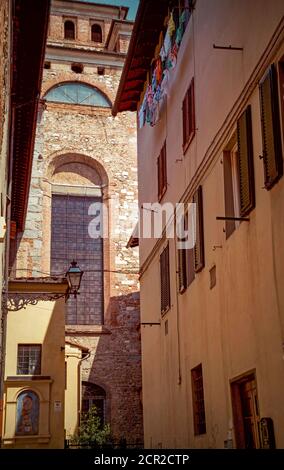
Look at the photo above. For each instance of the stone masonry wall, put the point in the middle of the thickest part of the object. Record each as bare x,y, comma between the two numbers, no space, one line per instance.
74,143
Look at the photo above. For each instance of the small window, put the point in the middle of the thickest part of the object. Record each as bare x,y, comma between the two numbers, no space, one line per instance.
101,70
77,68
69,30
97,35
29,359
188,116
165,280
47,65
162,172
199,421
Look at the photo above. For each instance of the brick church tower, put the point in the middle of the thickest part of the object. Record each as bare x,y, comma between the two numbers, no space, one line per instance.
83,158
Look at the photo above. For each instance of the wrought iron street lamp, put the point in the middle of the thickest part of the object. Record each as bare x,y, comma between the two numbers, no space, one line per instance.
74,277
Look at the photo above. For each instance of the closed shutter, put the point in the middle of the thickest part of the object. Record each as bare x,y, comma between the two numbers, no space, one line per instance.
162,172
185,119
270,124
164,167
182,261
191,110
165,280
199,236
245,163
190,265
188,116
159,162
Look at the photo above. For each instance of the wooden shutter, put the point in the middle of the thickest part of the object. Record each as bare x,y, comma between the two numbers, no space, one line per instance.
245,163
185,119
190,265
188,116
165,280
182,271
270,124
159,162
191,110
199,241
162,172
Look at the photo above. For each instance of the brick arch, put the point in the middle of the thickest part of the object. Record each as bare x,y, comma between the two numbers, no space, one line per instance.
62,159
53,82
99,383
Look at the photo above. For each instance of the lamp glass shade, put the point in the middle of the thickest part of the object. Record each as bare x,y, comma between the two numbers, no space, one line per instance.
74,276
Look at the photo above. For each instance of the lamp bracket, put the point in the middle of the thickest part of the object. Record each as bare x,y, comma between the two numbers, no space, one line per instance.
19,300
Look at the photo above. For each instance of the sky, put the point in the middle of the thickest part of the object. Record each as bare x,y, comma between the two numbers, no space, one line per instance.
132,4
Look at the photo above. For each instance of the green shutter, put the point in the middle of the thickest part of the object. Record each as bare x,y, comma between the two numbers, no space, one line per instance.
245,163
270,124
199,261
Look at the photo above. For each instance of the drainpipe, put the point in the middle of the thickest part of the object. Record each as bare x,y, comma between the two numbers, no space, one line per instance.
80,384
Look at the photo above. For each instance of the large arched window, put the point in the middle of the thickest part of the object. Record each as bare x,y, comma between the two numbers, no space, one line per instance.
69,30
97,35
77,93
27,413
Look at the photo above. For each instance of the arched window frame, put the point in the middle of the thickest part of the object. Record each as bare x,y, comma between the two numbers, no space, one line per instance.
106,101
96,36
95,393
67,34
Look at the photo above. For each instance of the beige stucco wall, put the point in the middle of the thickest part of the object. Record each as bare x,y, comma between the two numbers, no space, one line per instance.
73,356
239,325
37,324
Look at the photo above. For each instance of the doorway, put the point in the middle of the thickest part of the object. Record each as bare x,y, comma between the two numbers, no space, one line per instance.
246,412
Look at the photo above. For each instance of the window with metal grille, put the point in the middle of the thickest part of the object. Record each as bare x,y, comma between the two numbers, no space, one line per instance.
199,420
29,359
162,172
188,116
71,219
165,280
97,35
69,30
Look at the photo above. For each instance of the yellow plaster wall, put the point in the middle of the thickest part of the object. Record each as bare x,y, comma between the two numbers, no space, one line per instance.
43,324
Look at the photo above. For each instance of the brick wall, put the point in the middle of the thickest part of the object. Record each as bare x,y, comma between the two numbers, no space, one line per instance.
85,146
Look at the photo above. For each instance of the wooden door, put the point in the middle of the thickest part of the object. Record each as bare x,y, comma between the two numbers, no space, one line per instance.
246,412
